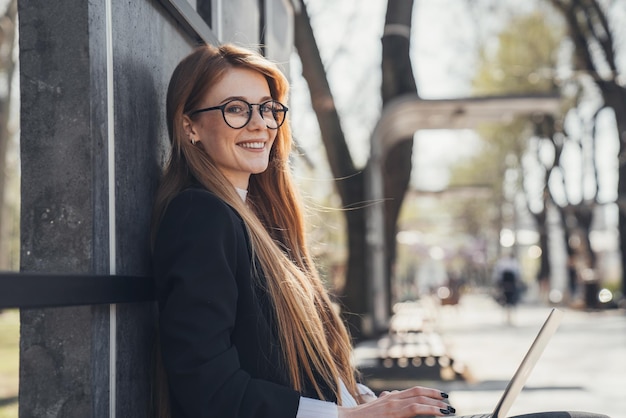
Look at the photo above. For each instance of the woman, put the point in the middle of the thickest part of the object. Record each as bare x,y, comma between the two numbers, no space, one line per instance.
247,328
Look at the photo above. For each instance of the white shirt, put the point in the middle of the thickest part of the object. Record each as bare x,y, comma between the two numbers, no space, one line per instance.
314,408
243,193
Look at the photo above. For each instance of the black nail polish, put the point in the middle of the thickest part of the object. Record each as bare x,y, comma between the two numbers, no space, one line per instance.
444,395
451,409
445,411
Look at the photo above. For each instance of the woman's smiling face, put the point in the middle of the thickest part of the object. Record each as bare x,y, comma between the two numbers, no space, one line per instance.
238,153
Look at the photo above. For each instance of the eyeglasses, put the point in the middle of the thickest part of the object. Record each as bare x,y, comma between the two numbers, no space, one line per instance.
237,113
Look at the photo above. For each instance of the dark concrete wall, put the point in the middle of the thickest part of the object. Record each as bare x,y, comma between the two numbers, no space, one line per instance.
66,136
238,27
62,227
147,45
64,359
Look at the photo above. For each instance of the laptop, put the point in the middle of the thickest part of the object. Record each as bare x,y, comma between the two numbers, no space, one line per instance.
523,371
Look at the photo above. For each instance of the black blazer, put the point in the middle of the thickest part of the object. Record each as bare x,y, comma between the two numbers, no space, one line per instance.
219,345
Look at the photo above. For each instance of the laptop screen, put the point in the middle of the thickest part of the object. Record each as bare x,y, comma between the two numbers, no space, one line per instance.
528,363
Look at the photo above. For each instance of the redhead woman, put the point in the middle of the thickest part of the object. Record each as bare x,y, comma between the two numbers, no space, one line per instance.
247,328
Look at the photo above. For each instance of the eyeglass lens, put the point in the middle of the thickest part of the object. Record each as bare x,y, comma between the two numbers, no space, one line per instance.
237,113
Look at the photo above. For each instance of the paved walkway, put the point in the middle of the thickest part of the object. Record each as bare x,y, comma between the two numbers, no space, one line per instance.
583,368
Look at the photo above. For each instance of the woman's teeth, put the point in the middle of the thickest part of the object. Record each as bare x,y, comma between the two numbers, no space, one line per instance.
254,145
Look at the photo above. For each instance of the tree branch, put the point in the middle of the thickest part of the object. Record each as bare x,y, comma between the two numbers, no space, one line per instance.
339,158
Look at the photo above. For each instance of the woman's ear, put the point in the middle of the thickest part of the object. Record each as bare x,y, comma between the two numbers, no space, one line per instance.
190,131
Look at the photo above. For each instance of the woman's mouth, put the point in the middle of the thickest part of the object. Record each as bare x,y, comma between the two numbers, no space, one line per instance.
252,145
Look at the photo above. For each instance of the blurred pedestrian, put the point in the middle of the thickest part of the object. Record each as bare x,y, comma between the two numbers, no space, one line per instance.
508,283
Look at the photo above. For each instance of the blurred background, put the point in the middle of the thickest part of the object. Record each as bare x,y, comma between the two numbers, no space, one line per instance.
540,189
544,187
539,181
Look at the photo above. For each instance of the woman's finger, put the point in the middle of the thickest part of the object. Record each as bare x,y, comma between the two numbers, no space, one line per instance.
422,391
401,404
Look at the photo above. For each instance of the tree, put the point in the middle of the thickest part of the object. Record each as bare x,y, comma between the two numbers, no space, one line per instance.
350,180
596,58
398,80
576,212
524,62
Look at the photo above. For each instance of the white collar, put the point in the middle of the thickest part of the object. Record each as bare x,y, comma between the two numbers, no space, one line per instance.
242,193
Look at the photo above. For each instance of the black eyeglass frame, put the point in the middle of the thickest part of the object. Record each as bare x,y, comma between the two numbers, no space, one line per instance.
222,107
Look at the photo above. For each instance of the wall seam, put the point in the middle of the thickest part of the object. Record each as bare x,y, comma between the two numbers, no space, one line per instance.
111,193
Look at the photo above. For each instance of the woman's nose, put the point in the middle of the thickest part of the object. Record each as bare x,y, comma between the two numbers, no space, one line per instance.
256,118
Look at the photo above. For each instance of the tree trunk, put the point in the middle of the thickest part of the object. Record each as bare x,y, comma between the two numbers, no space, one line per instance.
615,97
545,271
350,182
397,79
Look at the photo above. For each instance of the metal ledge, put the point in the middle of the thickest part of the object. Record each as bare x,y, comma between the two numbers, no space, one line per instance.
190,20
23,290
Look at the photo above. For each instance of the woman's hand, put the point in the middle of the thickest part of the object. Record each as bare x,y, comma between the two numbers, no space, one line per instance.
402,404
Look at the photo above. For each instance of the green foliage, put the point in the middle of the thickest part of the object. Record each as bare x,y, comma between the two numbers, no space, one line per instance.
521,62
524,60
9,361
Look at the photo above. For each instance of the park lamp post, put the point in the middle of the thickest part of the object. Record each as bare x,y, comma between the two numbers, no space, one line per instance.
401,118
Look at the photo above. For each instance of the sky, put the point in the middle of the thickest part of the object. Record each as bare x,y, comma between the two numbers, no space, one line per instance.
348,35
444,38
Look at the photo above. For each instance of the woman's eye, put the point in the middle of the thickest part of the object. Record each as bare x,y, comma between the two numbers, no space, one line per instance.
235,109
269,108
